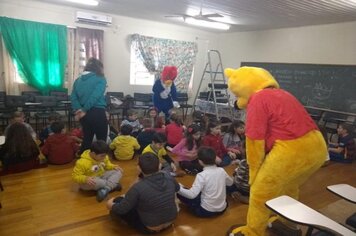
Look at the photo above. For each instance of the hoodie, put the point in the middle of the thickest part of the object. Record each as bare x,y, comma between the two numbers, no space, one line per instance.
59,149
88,167
124,146
88,92
153,197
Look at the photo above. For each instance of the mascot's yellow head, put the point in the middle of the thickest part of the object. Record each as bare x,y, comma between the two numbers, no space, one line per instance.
246,81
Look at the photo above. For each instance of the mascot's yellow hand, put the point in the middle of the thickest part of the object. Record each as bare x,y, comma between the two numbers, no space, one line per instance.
255,154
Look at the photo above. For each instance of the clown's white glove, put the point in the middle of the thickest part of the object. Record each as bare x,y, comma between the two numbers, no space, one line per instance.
176,104
164,94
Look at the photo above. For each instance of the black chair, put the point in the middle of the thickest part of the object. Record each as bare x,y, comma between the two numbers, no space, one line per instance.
62,100
29,98
63,104
182,98
60,95
12,103
142,101
30,95
46,108
115,105
3,119
2,100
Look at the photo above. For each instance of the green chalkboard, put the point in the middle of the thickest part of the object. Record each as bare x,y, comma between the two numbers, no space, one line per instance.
324,86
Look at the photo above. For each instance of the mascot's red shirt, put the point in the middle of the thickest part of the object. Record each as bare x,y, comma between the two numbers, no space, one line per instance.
274,114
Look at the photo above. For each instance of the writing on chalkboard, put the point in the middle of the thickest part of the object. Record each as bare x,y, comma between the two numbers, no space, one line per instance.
325,86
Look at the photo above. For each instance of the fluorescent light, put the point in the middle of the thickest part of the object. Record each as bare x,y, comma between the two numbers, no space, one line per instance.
207,24
85,2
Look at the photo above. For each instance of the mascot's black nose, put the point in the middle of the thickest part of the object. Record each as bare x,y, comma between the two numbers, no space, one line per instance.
235,106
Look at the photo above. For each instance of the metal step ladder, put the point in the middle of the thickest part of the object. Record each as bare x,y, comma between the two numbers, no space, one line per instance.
217,91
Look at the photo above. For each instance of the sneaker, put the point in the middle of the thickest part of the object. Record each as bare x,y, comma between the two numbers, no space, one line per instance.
101,194
117,188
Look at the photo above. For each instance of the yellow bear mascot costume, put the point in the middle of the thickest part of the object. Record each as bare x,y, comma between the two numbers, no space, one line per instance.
283,144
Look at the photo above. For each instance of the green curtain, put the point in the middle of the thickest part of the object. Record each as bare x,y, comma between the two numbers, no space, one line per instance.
39,51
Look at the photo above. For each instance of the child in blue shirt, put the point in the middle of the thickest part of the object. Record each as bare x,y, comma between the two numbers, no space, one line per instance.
133,122
344,150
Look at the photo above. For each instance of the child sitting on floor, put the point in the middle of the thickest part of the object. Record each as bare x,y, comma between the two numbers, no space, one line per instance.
94,171
133,121
174,131
149,205
124,144
47,131
145,137
345,150
235,135
19,152
240,190
157,147
19,117
213,139
207,196
157,122
187,150
59,148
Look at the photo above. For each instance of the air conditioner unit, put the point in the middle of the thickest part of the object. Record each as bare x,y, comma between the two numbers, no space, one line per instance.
91,18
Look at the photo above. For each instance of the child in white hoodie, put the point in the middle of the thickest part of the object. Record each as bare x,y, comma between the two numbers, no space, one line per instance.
207,196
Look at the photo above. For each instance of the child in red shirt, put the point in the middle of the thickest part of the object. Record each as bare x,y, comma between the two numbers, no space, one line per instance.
213,139
174,131
59,147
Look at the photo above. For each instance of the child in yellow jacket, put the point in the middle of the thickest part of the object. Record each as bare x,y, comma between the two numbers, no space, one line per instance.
124,144
94,171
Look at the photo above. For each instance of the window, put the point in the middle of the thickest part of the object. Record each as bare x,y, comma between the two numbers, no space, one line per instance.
139,75
18,78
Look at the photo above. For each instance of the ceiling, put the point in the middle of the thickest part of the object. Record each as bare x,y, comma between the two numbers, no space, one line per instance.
245,15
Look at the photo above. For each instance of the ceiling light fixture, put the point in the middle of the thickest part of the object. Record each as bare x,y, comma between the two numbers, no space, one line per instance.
85,2
207,24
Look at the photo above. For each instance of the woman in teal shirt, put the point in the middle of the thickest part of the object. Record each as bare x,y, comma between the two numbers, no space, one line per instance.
89,104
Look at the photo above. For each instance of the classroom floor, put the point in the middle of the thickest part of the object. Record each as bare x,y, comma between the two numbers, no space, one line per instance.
46,202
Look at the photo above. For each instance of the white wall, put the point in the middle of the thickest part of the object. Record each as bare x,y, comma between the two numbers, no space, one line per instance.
324,44
116,43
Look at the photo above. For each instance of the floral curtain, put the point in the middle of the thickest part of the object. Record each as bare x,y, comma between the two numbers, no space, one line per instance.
157,53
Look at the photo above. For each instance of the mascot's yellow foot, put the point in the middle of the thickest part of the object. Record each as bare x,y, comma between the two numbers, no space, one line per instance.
235,230
281,229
